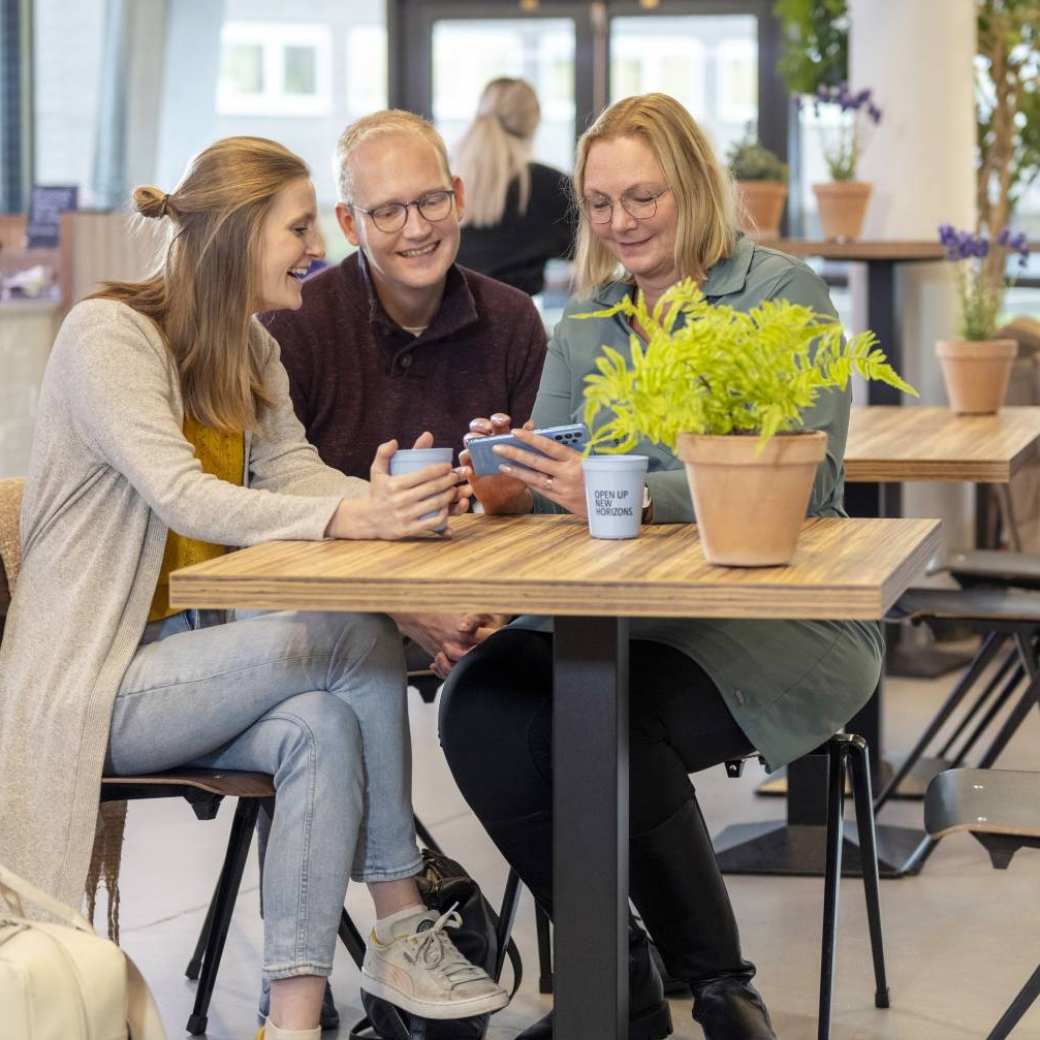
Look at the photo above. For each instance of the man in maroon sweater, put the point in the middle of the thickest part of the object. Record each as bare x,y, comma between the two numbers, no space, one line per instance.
398,340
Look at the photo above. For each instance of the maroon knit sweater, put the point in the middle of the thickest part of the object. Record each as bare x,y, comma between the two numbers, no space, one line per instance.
357,379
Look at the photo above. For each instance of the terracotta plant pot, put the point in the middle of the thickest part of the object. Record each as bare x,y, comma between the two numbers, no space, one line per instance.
762,206
976,373
749,506
842,205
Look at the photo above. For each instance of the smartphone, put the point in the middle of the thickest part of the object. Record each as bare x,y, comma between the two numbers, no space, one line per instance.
486,461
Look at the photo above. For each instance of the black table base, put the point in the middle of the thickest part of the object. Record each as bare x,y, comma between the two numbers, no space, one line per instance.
780,848
797,845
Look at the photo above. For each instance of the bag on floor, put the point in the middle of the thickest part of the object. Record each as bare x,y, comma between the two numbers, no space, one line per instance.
61,981
444,883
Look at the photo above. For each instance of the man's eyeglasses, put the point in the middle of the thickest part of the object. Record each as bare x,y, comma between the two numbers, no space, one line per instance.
640,203
392,216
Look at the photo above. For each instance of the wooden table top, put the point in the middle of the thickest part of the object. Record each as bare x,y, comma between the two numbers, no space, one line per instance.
550,565
873,250
889,443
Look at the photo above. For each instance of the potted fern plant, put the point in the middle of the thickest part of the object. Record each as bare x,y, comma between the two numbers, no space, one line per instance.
726,390
761,180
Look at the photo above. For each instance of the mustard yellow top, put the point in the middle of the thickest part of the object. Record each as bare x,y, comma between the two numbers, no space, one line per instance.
223,455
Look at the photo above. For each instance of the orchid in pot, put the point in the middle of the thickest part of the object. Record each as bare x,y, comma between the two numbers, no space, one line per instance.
728,392
844,118
976,367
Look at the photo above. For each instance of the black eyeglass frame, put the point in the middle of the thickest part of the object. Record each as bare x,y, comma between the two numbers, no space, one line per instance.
430,198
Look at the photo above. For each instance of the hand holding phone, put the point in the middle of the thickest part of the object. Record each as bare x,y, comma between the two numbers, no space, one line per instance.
486,460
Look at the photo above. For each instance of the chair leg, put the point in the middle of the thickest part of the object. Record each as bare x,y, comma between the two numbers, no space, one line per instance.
1019,1006
506,916
242,828
351,938
998,705
990,646
545,969
1012,722
1010,662
837,750
859,761
195,964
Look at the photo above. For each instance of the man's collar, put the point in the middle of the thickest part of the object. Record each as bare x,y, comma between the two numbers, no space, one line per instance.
728,275
457,310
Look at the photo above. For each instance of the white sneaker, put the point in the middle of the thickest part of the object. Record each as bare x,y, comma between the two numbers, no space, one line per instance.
423,973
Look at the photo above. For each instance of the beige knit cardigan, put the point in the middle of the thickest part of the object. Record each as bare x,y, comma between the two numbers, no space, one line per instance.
110,472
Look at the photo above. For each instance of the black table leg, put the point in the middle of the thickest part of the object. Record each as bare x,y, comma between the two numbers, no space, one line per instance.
590,830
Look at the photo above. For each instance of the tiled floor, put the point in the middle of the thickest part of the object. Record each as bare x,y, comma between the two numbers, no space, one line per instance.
961,938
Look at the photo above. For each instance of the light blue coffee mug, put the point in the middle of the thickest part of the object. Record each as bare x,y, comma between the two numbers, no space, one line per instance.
614,494
408,460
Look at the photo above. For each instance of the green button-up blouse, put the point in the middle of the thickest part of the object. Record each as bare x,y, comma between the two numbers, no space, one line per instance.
789,684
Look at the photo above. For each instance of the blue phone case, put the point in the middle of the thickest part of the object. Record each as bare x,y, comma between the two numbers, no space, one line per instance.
486,461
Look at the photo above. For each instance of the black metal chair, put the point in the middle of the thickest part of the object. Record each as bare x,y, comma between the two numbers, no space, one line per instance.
1001,809
847,753
1002,615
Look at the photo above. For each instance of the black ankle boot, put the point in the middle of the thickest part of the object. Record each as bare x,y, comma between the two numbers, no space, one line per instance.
730,1008
649,1017
681,897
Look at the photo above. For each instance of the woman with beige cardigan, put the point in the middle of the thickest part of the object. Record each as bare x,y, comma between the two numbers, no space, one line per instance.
165,434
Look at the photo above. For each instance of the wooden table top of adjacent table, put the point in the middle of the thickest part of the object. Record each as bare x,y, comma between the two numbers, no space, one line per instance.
550,565
888,443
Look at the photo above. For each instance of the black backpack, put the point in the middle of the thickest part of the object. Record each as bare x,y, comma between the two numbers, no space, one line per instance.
444,883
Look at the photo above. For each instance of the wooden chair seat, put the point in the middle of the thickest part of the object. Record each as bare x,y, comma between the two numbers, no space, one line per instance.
984,605
173,782
993,567
984,801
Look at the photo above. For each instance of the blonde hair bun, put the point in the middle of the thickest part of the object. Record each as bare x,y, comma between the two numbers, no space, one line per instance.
151,202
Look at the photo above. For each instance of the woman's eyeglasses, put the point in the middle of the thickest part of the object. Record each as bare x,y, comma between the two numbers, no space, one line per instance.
640,203
392,216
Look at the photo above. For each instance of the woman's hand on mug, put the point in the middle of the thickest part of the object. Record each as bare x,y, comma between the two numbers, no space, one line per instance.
498,493
404,506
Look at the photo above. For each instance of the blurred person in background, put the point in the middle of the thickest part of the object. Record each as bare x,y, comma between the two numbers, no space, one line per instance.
518,212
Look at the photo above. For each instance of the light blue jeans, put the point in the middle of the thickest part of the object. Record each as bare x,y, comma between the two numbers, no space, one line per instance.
318,701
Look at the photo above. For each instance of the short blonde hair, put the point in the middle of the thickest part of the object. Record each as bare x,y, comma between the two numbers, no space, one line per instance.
388,121
702,188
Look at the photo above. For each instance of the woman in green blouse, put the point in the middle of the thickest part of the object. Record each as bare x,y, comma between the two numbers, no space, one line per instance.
655,207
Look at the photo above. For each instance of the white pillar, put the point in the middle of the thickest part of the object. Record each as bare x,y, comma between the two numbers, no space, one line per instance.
916,56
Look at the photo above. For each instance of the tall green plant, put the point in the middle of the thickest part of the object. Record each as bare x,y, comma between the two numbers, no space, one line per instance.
1007,103
816,44
720,370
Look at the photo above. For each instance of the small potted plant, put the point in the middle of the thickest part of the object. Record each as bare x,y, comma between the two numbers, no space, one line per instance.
761,186
843,200
976,367
726,391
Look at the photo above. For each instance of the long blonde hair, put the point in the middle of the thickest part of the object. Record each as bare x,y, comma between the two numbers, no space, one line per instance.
703,190
496,148
204,291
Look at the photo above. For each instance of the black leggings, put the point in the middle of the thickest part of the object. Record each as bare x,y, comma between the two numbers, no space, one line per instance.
496,727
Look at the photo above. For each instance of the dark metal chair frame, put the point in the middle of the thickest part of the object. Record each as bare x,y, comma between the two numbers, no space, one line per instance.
1001,847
